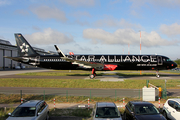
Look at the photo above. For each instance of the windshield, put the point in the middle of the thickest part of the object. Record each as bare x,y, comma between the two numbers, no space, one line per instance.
146,109
107,112
24,112
168,60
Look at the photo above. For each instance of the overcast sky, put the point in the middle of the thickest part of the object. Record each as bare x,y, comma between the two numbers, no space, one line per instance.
95,26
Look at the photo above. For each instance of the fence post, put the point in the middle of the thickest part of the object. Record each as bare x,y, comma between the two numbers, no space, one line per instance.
44,94
123,103
115,95
159,103
147,82
21,96
67,95
90,94
21,100
21,93
5,110
139,94
54,104
88,103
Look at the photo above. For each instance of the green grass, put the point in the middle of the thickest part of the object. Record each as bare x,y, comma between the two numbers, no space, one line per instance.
4,113
81,83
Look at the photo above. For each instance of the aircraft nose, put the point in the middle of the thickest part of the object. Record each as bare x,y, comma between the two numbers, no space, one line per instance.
174,65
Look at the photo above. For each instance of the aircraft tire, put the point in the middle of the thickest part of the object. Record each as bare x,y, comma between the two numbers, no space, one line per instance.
158,76
91,76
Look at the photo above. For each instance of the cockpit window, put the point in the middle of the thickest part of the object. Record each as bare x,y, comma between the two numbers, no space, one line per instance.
168,59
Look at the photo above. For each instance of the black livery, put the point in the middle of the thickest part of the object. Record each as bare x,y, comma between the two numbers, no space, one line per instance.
29,56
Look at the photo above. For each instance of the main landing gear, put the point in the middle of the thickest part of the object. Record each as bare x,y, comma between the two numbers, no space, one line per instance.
157,74
93,75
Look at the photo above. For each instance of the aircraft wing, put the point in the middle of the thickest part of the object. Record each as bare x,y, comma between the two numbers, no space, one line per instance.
83,64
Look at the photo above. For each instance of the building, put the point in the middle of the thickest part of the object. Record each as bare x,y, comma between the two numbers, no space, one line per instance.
7,49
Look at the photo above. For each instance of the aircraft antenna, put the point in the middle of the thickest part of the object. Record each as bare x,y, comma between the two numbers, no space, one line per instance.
128,49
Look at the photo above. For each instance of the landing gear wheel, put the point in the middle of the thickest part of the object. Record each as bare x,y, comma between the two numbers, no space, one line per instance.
91,76
157,75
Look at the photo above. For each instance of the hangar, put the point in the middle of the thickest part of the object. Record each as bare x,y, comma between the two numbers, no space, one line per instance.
7,49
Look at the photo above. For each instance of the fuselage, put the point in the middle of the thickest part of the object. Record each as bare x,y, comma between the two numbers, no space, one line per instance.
123,62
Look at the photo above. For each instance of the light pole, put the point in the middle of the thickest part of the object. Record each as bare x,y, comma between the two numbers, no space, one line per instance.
140,42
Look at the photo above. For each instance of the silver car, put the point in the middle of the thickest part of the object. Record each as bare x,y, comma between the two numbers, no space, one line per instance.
106,111
31,110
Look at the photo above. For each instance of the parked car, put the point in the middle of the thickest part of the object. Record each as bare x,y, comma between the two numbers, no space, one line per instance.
31,110
106,110
171,109
140,110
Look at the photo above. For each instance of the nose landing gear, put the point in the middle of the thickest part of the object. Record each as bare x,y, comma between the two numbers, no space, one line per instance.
157,74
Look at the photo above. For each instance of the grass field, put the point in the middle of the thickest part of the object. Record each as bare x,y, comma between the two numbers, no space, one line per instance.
81,83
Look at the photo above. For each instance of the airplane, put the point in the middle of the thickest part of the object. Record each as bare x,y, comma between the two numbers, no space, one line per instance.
95,63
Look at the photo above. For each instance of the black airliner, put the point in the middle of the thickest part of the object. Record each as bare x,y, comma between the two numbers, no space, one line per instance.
29,56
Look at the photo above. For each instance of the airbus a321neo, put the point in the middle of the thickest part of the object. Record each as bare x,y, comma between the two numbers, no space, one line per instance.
29,56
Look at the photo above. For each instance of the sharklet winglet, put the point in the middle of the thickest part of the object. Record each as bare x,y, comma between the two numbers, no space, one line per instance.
61,54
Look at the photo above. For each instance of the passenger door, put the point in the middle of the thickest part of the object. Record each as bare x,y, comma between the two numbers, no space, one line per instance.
41,112
170,109
176,111
129,111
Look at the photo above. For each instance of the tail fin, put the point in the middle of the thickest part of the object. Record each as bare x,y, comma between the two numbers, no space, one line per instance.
24,48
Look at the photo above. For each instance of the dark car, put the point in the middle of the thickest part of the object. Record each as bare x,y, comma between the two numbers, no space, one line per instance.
140,110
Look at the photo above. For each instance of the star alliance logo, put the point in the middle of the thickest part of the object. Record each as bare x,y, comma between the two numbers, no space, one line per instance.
24,48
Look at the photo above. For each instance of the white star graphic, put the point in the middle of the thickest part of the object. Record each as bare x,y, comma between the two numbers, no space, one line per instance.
24,48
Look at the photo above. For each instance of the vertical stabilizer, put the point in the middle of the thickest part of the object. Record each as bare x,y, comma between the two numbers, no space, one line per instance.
24,48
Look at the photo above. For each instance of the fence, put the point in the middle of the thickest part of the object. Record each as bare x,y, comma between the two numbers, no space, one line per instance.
112,93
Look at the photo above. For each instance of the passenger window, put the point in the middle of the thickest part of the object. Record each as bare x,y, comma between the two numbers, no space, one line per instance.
130,106
171,103
176,106
42,106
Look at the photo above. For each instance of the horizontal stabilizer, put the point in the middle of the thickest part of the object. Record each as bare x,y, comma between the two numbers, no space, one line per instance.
14,58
